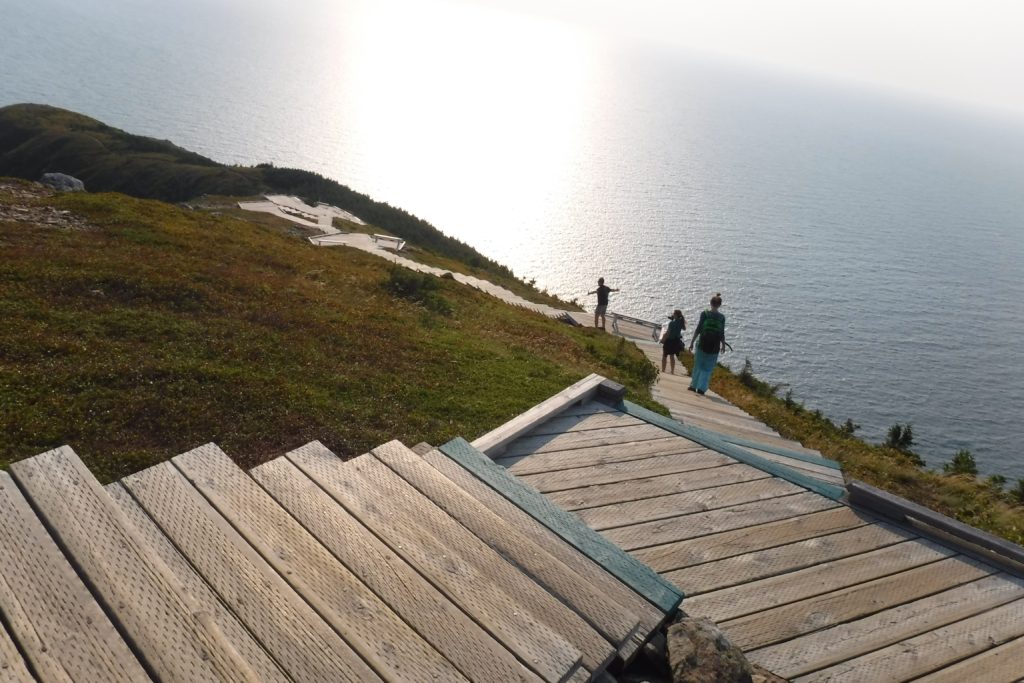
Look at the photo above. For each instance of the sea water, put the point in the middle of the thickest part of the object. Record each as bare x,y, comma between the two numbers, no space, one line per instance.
868,247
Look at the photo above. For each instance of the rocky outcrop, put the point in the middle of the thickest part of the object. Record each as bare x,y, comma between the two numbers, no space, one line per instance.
698,652
62,182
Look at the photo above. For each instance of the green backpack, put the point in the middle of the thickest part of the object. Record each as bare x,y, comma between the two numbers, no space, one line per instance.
712,333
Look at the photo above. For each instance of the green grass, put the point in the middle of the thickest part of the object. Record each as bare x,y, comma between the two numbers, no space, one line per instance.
964,497
163,328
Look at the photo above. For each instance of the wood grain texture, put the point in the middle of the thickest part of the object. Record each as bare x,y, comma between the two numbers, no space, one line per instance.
714,521
805,616
371,628
702,500
265,668
287,627
614,591
533,560
529,445
838,643
170,632
601,495
563,424
716,546
467,572
597,455
929,651
823,472
627,569
737,601
61,628
12,665
449,630
761,564
618,472
1001,664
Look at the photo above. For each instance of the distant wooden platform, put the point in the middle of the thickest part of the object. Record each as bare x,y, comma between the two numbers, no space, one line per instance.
810,588
395,566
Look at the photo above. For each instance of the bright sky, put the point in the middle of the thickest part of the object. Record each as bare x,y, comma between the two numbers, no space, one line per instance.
966,51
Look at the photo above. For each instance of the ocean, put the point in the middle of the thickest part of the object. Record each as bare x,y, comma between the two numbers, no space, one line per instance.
868,247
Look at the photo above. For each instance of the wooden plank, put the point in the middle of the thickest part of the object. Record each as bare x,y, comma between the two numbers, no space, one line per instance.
173,637
265,668
718,419
287,627
636,575
616,626
616,592
1004,663
840,642
617,472
495,442
805,616
467,572
932,650
815,469
665,531
62,630
445,626
761,564
639,489
528,445
711,440
564,424
664,558
12,666
797,453
597,455
729,603
679,505
367,624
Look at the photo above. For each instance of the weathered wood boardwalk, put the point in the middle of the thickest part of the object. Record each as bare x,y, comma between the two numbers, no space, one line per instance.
391,566
752,527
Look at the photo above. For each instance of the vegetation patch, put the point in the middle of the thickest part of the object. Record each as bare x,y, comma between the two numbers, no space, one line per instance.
163,328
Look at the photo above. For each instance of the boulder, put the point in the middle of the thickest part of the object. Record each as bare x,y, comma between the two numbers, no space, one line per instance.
62,182
698,652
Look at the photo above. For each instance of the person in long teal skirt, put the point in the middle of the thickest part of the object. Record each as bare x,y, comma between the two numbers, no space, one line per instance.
711,333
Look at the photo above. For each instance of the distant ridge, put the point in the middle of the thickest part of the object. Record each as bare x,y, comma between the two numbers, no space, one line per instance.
37,138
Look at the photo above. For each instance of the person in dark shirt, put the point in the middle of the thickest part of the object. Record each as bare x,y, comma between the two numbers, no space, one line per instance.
672,341
602,301
711,332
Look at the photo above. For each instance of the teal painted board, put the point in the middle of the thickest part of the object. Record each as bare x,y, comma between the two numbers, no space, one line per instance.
715,442
626,568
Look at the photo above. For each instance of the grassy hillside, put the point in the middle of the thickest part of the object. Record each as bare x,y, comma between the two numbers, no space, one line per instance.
134,330
35,139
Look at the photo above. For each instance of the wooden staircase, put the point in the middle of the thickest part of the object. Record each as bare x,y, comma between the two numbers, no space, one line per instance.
396,565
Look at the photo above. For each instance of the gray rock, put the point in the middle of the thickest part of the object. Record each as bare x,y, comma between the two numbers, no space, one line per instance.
698,652
62,182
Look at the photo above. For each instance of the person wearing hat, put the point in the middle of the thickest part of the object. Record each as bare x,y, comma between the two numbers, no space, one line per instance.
672,339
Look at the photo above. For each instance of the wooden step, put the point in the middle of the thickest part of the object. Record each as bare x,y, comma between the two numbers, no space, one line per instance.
449,630
368,625
255,657
592,572
617,627
164,625
469,573
12,665
291,631
60,627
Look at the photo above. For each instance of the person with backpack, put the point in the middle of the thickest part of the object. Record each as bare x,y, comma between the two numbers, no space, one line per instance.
711,332
672,339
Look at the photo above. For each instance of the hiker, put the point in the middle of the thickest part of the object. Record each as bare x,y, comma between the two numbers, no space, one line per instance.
672,339
711,332
602,301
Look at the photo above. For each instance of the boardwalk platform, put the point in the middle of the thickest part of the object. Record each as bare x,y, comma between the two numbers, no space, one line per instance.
756,531
390,566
